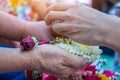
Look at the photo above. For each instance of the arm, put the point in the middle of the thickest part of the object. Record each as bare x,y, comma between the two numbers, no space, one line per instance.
17,29
11,27
13,60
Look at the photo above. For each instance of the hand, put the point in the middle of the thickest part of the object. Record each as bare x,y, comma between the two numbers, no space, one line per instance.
80,23
56,61
40,30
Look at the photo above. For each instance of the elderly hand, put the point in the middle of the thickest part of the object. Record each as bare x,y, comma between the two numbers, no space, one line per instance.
80,23
55,61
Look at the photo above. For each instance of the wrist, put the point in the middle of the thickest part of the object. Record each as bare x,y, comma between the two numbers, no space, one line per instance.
34,59
26,30
37,29
30,30
24,59
16,61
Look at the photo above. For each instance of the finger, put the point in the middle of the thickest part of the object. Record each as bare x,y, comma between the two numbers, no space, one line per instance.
82,62
57,16
77,62
62,28
58,7
65,72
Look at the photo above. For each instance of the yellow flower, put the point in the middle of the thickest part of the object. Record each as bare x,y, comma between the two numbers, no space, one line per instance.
103,77
85,46
14,3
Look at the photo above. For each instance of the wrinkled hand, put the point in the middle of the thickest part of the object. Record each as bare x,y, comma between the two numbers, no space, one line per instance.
56,61
80,23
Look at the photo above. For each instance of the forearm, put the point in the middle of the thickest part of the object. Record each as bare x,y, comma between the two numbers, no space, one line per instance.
12,27
13,60
17,29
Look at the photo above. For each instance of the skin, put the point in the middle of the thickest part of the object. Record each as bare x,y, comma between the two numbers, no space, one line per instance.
45,58
8,42
85,25
23,28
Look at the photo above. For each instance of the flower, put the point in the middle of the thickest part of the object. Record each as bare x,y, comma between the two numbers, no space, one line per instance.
14,3
93,77
48,77
109,73
92,53
13,13
91,68
28,73
27,43
103,77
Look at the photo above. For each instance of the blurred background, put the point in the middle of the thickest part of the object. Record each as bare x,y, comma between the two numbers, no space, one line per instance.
35,10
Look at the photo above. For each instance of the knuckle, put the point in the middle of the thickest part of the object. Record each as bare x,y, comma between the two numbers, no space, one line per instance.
69,28
55,6
52,7
70,16
49,15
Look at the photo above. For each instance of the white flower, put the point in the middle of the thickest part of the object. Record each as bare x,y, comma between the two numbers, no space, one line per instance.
90,52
